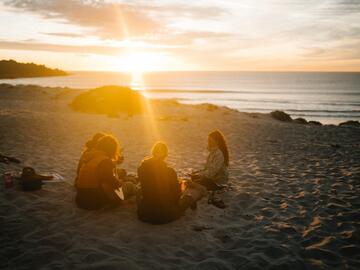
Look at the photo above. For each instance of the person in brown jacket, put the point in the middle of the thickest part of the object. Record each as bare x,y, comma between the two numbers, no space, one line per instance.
97,180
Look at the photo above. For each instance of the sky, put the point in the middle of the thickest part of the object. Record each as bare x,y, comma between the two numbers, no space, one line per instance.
166,35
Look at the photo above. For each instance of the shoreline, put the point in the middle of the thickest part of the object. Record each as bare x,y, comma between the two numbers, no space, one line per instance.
324,120
329,98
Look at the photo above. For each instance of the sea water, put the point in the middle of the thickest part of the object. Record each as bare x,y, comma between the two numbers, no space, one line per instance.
329,97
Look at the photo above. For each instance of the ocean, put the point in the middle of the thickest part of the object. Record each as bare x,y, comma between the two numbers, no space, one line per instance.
329,97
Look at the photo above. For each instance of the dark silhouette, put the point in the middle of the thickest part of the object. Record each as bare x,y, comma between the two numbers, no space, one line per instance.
31,181
97,179
10,69
281,116
350,123
161,199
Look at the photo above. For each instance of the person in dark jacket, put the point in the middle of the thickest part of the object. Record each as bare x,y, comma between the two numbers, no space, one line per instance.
161,199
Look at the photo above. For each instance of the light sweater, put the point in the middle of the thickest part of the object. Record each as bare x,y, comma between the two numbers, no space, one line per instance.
215,168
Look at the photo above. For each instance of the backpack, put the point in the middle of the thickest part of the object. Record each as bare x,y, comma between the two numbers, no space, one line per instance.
30,180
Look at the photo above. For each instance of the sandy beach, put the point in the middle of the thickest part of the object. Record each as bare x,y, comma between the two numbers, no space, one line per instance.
292,203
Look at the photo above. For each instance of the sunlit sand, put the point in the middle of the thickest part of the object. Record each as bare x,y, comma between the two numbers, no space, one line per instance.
290,183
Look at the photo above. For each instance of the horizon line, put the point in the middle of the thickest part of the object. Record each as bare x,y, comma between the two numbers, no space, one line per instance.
250,71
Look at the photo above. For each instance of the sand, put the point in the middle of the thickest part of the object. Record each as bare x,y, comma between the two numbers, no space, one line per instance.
292,203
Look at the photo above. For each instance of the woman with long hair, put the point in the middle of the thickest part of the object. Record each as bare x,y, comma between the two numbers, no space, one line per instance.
215,173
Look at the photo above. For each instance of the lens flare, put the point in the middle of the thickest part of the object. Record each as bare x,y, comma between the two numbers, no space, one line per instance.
137,83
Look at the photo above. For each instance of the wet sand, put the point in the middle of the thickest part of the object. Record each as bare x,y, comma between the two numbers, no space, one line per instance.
292,203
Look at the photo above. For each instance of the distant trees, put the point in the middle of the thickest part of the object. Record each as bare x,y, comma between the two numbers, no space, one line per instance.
10,69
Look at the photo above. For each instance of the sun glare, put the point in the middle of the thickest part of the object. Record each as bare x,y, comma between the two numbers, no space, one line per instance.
138,62
137,81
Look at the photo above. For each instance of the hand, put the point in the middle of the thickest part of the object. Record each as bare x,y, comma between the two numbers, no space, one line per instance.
120,160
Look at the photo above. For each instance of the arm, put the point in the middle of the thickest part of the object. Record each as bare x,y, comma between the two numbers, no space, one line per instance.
105,172
78,168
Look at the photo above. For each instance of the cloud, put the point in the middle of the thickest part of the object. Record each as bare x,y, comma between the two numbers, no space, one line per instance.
185,38
342,52
70,35
203,33
114,20
346,7
34,46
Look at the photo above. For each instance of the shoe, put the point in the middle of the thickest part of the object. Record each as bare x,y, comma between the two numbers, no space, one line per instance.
193,206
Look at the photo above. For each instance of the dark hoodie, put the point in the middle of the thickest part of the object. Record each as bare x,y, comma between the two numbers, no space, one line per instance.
160,192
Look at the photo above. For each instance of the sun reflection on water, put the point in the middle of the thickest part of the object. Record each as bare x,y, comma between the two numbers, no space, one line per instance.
137,82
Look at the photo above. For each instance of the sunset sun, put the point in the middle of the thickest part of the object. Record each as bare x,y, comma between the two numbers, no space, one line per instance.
139,62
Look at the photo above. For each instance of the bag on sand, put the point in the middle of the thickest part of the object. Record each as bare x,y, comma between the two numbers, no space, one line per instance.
30,180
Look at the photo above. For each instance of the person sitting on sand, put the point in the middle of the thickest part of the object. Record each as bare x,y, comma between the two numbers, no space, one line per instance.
215,173
89,146
161,200
97,181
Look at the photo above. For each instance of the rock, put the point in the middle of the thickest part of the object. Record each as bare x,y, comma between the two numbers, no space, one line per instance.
350,123
300,121
281,116
210,107
315,123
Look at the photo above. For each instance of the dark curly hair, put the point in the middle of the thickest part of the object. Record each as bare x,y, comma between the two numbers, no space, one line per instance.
219,138
110,146
91,144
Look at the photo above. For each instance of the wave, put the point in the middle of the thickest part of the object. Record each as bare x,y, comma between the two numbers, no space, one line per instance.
287,92
293,111
270,101
326,111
